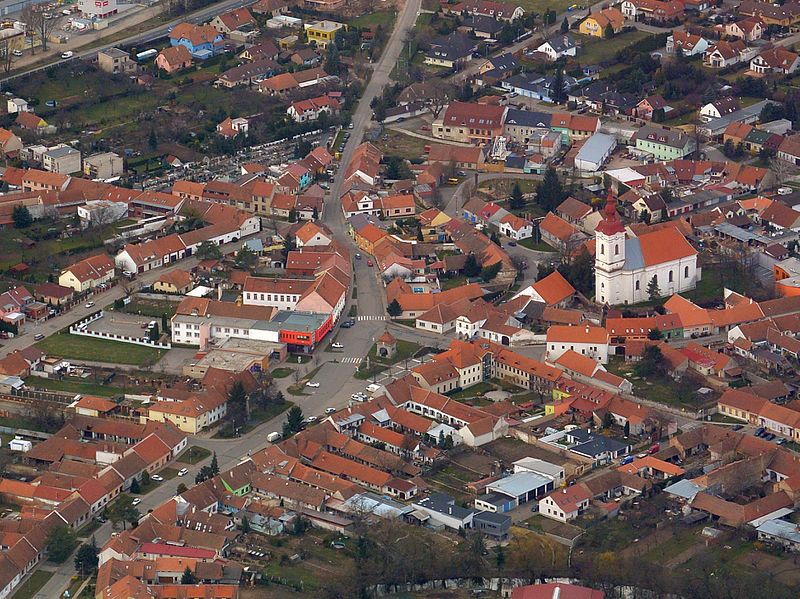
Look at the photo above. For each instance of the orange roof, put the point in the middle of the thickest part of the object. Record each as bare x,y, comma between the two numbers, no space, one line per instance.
691,314
553,288
652,463
572,360
557,227
579,334
100,404
664,245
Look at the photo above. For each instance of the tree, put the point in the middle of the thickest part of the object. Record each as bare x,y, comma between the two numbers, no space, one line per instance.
182,488
164,322
214,464
580,272
152,140
145,478
135,487
208,251
565,25
558,93
123,510
608,33
86,559
394,309
246,258
549,193
294,418
500,555
302,148
626,430
8,46
471,266
490,272
60,543
379,112
652,363
654,334
154,334
292,215
188,576
237,402
245,525
33,17
608,419
653,292
495,238
516,201
22,217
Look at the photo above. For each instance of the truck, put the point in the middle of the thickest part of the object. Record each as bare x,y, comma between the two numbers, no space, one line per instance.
274,437
146,55
18,444
372,388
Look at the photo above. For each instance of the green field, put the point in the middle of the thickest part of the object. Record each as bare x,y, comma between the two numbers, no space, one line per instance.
76,347
594,50
384,18
194,455
282,372
74,386
33,585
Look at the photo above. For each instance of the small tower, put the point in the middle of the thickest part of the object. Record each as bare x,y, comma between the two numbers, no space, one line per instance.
610,240
386,345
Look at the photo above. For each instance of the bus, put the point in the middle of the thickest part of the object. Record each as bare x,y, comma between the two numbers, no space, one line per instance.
147,55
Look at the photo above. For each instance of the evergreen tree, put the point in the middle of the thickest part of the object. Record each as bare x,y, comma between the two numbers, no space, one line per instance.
655,335
188,576
154,334
626,430
22,217
564,25
653,292
471,266
495,238
549,194
394,309
490,272
214,464
292,215
332,63
237,401
86,559
135,487
516,201
60,543
294,418
182,488
164,322
152,140
245,525
609,31
559,92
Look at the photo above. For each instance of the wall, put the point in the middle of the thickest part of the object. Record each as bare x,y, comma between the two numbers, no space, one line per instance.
75,330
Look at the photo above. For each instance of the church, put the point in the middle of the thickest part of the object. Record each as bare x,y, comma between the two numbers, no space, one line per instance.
624,267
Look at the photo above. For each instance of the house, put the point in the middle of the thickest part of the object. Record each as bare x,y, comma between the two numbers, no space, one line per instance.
789,150
503,11
723,54
587,340
560,234
174,59
558,46
322,33
103,165
598,24
94,10
516,228
552,290
649,105
62,159
176,281
663,144
10,144
565,504
53,294
719,108
230,128
114,60
749,30
688,44
775,60
494,70
470,122
249,73
233,20
451,50
654,11
15,105
311,109
202,41
88,273
28,120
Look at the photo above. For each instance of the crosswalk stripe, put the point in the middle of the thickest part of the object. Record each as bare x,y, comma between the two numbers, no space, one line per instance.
369,317
351,360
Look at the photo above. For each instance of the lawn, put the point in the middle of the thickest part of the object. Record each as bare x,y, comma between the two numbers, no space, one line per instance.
33,585
452,283
299,388
194,455
665,551
76,347
473,391
542,6
282,372
260,415
151,308
74,386
594,50
405,350
539,247
384,18
400,144
167,473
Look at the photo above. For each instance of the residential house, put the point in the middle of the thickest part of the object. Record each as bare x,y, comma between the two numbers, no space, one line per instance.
687,43
723,54
558,46
503,11
449,51
311,109
654,11
470,122
88,273
10,144
598,23
176,281
114,60
202,41
559,233
775,60
587,340
663,144
230,128
322,33
749,30
719,108
174,59
233,20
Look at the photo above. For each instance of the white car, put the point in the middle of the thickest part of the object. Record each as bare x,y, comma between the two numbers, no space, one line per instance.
137,501
183,472
17,52
90,304
311,384
330,410
67,54
337,345
158,478
312,419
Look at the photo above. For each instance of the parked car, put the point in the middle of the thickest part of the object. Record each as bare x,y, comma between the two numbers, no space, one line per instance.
38,337
67,54
358,256
370,263
513,244
137,501
157,477
330,410
17,52
183,472
346,324
312,419
759,431
337,345
90,304
738,427
312,384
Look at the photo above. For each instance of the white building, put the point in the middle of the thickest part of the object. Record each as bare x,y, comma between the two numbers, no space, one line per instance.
594,152
17,105
565,504
625,268
96,213
62,159
587,340
98,9
558,46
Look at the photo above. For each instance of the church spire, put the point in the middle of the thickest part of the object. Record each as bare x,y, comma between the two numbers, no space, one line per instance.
610,225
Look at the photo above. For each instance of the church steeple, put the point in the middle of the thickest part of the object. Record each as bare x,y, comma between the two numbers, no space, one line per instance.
611,224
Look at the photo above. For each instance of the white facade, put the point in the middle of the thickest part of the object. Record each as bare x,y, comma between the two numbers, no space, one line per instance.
553,54
620,281
282,301
523,232
550,509
596,351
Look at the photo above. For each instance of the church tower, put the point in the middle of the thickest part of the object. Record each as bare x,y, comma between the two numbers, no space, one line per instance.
609,251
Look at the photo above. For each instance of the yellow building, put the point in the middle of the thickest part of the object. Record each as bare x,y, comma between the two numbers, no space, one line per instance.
596,24
322,33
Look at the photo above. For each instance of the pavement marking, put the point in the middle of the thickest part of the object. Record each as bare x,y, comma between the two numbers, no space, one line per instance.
366,317
351,360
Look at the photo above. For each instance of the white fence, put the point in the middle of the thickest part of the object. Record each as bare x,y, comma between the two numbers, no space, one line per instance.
79,328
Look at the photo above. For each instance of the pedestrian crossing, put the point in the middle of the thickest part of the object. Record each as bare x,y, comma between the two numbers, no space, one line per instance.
368,317
351,360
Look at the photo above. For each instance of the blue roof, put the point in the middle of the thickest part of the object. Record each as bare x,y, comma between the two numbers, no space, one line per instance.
633,254
255,245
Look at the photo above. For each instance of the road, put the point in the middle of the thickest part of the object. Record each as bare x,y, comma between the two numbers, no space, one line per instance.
337,381
77,41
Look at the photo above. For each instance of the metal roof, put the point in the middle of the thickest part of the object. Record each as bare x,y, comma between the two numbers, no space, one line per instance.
596,148
780,529
519,483
684,489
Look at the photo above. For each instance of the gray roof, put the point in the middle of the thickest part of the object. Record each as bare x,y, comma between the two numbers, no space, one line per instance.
684,489
374,504
596,147
519,483
528,118
673,138
599,445
750,114
62,151
561,43
495,499
298,321
452,47
633,255
740,234
114,53
444,504
496,519
781,529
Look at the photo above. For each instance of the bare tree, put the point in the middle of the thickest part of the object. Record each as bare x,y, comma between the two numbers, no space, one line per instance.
7,47
781,169
35,20
441,94
30,18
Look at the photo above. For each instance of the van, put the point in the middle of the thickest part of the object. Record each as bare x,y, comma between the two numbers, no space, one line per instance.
274,437
453,181
372,388
153,324
38,337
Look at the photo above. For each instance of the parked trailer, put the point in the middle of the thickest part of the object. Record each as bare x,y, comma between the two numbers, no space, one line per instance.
146,55
20,445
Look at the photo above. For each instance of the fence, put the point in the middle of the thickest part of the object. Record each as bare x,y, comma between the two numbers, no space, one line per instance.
79,328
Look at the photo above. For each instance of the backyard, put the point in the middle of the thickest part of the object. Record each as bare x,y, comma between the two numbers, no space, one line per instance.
75,347
595,50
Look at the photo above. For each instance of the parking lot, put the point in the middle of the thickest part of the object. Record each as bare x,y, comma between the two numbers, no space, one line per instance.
119,323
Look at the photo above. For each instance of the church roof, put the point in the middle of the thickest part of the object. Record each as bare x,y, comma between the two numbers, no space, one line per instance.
664,245
633,254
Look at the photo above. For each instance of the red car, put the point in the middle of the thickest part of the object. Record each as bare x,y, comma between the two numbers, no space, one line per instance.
369,263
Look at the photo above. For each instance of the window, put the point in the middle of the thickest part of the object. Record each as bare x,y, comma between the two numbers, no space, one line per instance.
602,249
686,272
670,276
616,249
637,285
